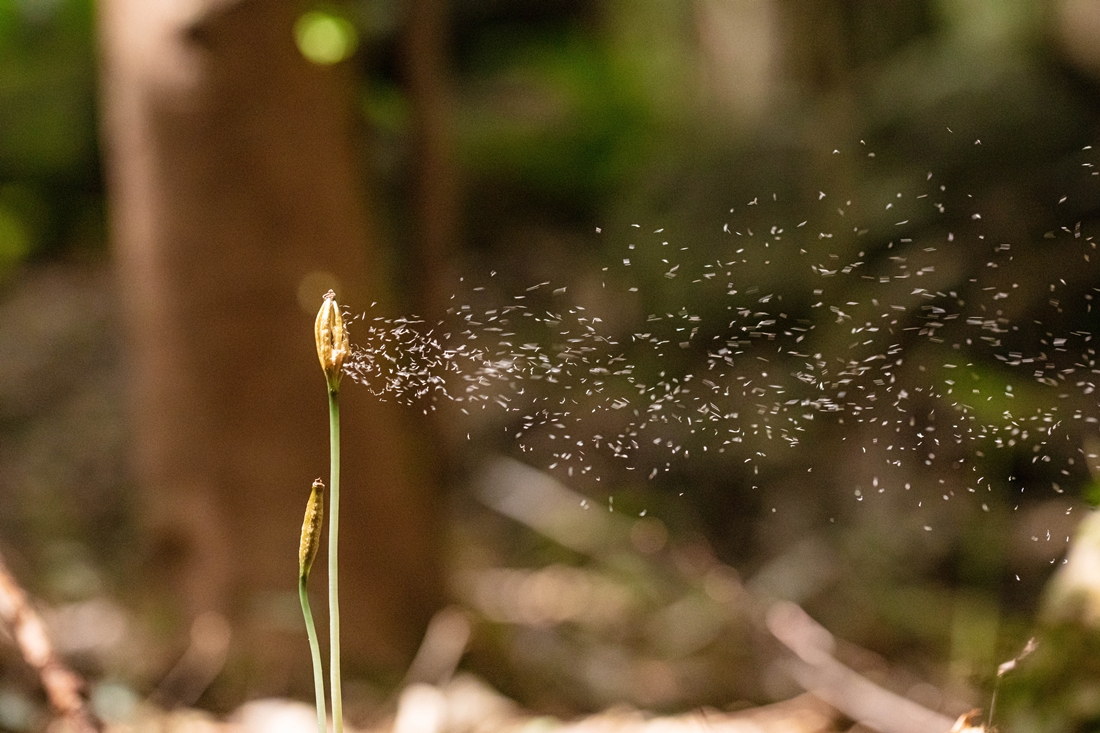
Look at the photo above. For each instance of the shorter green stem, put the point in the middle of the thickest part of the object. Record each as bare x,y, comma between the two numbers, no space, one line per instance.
315,650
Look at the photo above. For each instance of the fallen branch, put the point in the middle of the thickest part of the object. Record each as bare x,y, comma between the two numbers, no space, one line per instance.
817,671
62,685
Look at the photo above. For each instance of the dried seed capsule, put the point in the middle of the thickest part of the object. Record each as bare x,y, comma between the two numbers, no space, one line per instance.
332,340
311,528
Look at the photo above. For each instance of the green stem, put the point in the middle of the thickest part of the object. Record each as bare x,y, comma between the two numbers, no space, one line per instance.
333,528
315,650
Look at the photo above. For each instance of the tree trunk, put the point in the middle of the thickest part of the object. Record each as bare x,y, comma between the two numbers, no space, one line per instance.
234,204
434,176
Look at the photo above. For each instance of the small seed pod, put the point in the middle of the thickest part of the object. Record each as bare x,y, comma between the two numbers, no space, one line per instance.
332,340
311,529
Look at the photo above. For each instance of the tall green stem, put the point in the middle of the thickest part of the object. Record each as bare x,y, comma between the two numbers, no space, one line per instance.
315,650
333,540
332,349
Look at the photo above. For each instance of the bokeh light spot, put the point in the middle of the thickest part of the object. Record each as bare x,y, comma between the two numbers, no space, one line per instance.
15,242
324,37
312,288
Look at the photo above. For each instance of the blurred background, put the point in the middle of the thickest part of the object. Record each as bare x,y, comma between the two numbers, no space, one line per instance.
180,182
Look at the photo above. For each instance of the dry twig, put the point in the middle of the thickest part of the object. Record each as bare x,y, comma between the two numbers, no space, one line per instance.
846,690
62,685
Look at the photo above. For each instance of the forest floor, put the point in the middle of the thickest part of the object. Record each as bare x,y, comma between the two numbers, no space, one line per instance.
59,320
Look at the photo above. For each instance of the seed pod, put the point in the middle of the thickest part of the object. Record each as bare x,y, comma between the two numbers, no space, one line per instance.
332,340
311,529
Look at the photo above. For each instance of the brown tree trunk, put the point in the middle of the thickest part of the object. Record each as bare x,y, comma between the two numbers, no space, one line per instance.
234,202
434,175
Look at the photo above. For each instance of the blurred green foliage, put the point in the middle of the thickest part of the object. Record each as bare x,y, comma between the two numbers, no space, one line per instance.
50,191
